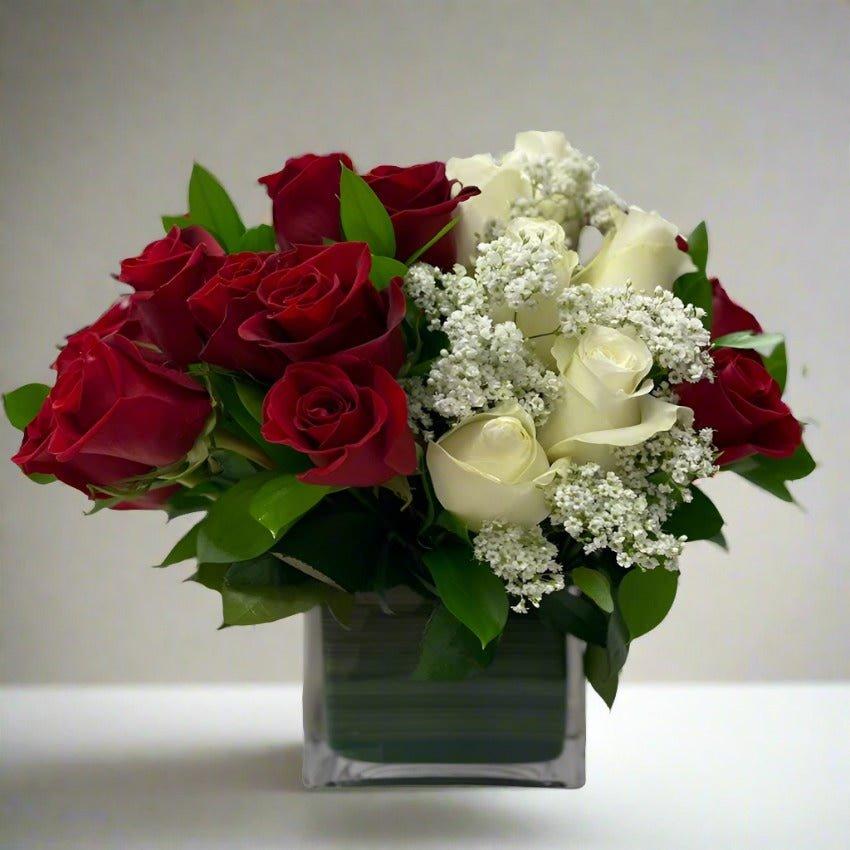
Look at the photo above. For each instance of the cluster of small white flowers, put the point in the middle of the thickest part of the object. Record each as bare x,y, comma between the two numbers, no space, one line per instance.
440,293
600,511
513,271
564,190
419,401
673,331
487,363
665,466
523,558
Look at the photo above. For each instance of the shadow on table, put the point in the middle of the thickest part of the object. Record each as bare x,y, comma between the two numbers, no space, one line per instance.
227,797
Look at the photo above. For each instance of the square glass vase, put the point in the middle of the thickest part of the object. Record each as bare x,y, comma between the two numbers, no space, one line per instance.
369,720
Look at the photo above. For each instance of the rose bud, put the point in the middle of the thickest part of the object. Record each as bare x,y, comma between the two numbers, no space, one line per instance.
113,414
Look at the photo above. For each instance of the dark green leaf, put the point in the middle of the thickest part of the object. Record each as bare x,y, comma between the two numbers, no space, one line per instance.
384,269
449,651
258,239
695,288
469,589
230,532
432,241
453,525
343,544
363,216
594,585
719,539
644,597
698,246
698,519
283,499
574,615
22,405
210,207
210,576
776,364
263,589
771,473
602,666
184,549
252,397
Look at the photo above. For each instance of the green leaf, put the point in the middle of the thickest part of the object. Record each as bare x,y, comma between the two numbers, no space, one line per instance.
574,615
22,405
258,239
602,666
469,589
283,499
453,525
432,241
185,548
771,473
644,597
252,397
210,207
771,347
41,478
343,544
449,651
698,519
384,269
230,532
698,246
181,221
594,585
363,216
263,589
695,287
210,576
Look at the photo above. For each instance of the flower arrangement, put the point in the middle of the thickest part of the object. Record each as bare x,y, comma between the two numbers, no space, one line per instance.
412,378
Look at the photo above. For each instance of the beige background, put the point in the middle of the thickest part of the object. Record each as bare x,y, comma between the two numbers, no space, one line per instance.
736,112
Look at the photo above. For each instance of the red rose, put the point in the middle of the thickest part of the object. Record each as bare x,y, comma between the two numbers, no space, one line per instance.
728,317
164,275
226,300
744,407
325,304
419,199
348,416
420,203
305,199
122,317
113,414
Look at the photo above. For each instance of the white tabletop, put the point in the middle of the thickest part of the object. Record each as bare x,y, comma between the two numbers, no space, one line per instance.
719,766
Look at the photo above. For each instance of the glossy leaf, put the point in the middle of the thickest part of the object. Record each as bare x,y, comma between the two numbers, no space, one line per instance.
771,473
283,499
698,519
695,287
469,589
575,615
594,585
23,404
644,597
210,207
363,216
230,532
185,548
698,246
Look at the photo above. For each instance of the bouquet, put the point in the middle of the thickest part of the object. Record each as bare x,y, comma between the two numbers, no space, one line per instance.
412,378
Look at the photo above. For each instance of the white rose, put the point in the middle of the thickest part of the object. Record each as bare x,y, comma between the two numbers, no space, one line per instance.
606,400
484,468
534,145
538,319
500,186
641,249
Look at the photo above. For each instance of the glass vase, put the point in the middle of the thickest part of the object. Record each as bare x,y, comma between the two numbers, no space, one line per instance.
370,720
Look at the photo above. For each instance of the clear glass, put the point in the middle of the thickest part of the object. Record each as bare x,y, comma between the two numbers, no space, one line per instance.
368,720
